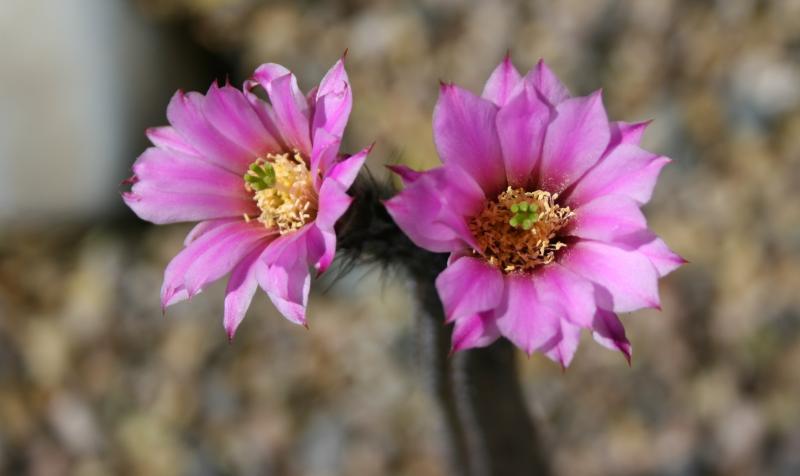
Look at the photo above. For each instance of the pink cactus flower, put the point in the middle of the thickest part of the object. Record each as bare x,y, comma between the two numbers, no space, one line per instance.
537,202
264,180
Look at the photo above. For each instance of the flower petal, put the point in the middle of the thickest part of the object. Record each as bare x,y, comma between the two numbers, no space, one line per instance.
609,332
627,133
561,348
478,330
433,210
608,218
346,171
291,112
185,113
503,80
664,259
230,112
626,280
521,126
626,170
210,257
469,286
574,142
169,207
465,134
333,101
242,286
570,295
547,83
286,279
525,318
333,202
166,137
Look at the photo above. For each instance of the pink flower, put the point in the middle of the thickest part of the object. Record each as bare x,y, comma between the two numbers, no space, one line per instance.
265,181
538,205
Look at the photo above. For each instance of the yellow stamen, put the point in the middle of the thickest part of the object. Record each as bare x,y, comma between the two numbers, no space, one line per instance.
291,201
511,247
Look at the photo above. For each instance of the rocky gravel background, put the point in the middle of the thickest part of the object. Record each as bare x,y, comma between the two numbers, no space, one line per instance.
94,381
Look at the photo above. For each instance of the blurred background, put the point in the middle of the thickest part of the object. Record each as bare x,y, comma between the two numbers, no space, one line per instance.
93,380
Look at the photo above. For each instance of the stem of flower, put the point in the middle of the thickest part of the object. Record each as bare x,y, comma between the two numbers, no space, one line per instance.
478,393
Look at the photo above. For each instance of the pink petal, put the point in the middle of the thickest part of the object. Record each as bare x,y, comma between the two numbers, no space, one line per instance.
609,332
321,248
185,113
241,288
626,280
346,171
434,209
478,330
230,112
626,170
324,154
525,318
201,229
166,137
333,202
521,126
503,80
209,257
169,207
608,218
466,136
568,294
664,259
548,84
406,174
291,112
469,286
160,170
333,101
561,348
574,142
286,279
627,133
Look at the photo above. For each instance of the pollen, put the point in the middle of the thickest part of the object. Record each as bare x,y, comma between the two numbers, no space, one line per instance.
282,187
519,231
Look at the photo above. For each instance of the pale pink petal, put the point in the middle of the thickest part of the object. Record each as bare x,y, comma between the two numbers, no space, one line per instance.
324,154
230,112
478,330
465,134
608,218
627,278
521,126
202,228
469,286
321,248
166,137
547,83
626,170
291,113
503,80
406,174
574,141
185,113
609,332
242,286
333,101
525,318
664,259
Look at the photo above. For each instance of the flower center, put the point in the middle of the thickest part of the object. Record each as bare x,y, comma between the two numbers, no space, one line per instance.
518,231
283,190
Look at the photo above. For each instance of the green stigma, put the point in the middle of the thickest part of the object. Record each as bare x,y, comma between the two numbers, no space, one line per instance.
524,215
260,176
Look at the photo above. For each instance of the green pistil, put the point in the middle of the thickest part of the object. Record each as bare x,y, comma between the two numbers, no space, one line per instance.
524,215
260,176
